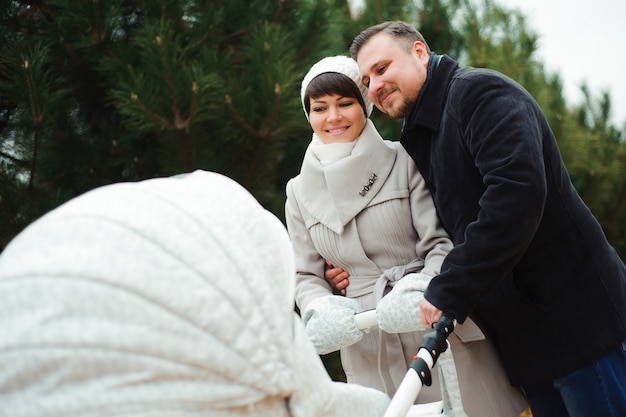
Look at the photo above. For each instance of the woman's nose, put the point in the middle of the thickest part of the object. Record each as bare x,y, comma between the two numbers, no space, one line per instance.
334,114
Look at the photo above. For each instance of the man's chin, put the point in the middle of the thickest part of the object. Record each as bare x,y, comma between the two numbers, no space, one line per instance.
389,111
403,111
394,113
397,115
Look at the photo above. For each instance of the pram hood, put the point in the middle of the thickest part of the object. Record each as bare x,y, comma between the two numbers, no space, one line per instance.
166,297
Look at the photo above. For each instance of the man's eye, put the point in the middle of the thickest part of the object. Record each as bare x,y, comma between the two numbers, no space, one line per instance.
381,69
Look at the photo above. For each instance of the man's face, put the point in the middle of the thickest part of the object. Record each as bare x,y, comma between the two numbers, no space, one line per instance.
393,75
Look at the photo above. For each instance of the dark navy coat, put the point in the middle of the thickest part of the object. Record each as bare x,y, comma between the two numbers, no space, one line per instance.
530,261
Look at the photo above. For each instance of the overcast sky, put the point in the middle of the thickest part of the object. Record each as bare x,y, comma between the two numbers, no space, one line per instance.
585,41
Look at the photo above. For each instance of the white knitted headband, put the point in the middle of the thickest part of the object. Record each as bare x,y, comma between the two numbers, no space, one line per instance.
342,65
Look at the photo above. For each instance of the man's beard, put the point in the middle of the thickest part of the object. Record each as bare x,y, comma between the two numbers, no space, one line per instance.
403,111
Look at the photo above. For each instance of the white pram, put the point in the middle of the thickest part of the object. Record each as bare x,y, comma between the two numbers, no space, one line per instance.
419,373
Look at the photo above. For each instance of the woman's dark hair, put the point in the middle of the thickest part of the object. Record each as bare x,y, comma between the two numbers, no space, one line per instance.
332,83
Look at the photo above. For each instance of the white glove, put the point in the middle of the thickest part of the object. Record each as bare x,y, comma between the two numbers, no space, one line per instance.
329,322
399,311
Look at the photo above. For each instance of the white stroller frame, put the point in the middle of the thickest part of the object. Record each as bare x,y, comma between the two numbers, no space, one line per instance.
419,372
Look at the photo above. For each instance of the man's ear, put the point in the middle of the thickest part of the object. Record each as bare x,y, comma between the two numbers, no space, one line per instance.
420,49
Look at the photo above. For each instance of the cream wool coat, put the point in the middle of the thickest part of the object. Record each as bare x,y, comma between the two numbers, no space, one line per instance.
379,234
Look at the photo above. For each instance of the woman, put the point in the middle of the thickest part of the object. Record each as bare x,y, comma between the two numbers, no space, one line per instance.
360,203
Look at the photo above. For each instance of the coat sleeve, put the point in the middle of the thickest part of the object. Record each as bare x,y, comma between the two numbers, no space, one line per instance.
310,282
433,243
501,130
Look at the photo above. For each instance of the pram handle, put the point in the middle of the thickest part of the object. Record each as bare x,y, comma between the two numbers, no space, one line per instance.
366,319
418,374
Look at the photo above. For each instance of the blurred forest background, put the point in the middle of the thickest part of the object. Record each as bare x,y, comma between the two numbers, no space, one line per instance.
94,92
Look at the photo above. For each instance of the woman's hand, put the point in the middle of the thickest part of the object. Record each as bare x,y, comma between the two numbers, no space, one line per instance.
336,277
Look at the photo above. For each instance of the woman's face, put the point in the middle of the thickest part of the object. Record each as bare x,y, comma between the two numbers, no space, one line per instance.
336,119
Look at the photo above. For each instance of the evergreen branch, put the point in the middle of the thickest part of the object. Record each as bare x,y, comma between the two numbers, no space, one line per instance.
615,214
9,216
379,14
255,158
159,120
96,35
237,34
192,109
239,119
200,41
261,145
77,58
50,185
308,45
184,150
276,107
186,124
281,9
20,162
33,165
286,126
37,118
170,84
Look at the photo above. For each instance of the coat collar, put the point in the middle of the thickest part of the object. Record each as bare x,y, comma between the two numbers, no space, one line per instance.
336,193
431,100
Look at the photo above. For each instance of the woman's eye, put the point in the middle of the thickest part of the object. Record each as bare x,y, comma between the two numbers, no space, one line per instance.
318,109
346,104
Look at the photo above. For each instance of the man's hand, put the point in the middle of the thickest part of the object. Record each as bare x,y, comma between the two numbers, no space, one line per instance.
336,277
399,310
429,313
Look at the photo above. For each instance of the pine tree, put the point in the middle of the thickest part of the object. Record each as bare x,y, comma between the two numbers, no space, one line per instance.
96,92
596,159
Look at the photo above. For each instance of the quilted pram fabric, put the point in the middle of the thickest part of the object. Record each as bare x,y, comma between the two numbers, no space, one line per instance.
167,297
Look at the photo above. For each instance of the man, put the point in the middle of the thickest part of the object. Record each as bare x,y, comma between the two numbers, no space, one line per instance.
530,261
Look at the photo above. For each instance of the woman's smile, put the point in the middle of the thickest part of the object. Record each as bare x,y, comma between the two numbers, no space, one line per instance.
336,119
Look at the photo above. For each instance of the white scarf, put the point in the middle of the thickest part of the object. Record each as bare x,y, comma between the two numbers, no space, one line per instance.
327,153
